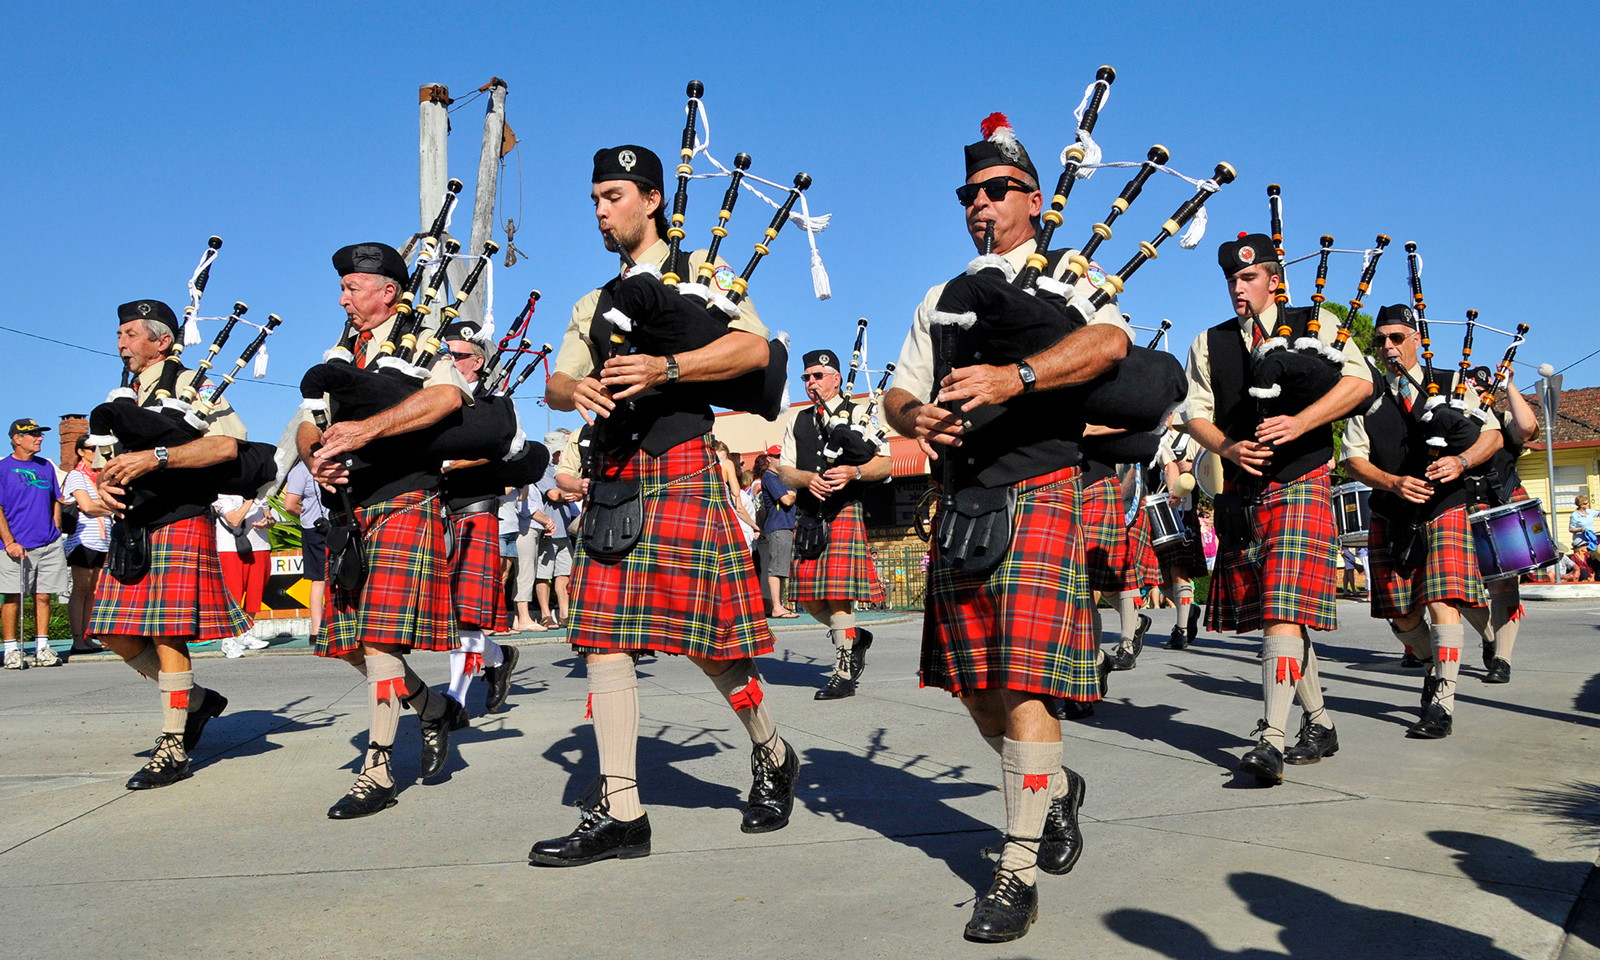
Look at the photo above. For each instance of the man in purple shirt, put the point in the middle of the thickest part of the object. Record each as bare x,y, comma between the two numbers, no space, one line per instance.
30,529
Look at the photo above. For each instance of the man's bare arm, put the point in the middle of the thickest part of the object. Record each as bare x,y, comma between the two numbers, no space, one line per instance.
1079,357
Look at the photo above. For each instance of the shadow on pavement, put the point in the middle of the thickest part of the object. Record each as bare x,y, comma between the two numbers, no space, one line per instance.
1314,925
661,748
1588,698
1509,869
1577,803
886,797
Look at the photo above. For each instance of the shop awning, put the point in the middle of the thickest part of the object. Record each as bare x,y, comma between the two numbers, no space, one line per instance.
908,458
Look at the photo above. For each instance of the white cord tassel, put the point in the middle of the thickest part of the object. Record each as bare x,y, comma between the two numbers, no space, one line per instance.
191,330
1196,232
260,369
1091,150
486,335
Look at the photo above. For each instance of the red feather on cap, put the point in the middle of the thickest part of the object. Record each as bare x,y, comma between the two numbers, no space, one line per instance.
993,122
1243,234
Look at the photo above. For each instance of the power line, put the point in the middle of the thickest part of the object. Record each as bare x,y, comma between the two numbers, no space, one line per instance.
79,346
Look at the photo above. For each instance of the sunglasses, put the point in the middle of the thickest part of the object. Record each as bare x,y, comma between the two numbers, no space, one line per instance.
996,188
814,376
1396,338
462,356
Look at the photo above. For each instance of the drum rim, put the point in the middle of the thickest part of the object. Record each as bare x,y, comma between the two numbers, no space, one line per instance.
1354,484
1515,506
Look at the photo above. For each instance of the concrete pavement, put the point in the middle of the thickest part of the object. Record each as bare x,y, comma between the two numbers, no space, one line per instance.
1475,846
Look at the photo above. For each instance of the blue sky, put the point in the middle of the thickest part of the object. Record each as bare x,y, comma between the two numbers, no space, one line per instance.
137,131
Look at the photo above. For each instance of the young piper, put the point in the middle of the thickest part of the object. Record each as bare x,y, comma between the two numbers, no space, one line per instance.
1275,566
1384,447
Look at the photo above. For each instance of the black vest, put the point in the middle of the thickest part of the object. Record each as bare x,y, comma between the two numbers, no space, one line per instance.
1237,413
1030,435
808,444
1500,472
172,500
1398,448
469,485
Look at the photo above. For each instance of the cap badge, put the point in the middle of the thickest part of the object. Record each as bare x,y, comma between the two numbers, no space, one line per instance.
1247,254
627,160
1009,150
827,360
143,308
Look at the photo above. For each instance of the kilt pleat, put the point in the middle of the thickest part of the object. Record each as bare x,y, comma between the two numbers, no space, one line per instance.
689,585
845,570
1450,572
1118,555
1288,573
475,572
182,594
406,599
1027,624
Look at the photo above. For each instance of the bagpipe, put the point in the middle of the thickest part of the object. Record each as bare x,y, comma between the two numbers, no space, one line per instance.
662,311
849,441
1291,376
1447,428
175,417
481,430
1130,447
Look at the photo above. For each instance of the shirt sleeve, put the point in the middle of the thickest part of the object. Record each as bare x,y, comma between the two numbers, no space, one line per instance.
1356,443
575,359
748,320
787,459
445,374
1201,404
571,463
913,372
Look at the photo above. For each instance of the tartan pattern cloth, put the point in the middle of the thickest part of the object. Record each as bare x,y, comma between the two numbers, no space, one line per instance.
475,572
181,595
1450,572
1119,556
845,570
1027,624
689,585
1288,573
406,599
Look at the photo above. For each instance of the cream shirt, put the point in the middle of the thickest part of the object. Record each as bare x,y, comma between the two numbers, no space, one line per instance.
913,372
222,422
1357,443
1203,403
576,359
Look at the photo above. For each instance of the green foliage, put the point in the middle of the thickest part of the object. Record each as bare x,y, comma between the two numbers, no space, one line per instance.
285,534
1361,335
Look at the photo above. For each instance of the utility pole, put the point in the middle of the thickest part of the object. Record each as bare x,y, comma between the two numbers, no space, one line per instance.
1549,388
434,100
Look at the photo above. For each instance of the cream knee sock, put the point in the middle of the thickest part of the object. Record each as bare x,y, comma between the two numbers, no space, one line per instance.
614,702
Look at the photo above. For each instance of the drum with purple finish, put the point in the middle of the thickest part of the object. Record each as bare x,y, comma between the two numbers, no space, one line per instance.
1512,540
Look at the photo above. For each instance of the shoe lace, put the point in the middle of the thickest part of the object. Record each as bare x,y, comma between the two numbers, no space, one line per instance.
366,785
1007,888
168,752
843,665
595,803
1261,727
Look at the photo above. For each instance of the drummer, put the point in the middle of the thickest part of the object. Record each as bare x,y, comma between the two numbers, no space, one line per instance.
1376,445
1498,625
1183,559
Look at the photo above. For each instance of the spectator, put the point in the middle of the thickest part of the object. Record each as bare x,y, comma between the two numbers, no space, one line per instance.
1576,567
1355,572
86,546
555,551
30,527
246,556
776,543
303,498
1582,526
536,525
512,522
1208,536
729,466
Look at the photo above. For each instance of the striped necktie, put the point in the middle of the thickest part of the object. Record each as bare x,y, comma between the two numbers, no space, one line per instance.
361,349
1408,394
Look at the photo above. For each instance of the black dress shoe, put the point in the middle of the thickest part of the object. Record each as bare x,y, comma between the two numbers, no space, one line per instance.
1411,661
1120,659
1064,709
367,796
771,789
1061,844
1177,641
1194,621
1315,743
1499,672
1004,913
499,680
1265,763
1138,635
1490,648
168,764
1435,724
436,738
838,688
858,653
195,725
598,837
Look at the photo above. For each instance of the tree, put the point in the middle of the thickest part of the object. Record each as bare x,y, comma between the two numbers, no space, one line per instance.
1361,335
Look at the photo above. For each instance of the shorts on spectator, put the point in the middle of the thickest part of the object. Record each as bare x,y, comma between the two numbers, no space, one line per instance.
776,550
555,558
82,556
313,555
43,570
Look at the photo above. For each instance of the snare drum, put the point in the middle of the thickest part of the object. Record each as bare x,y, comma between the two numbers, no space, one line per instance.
1512,540
1352,513
1166,523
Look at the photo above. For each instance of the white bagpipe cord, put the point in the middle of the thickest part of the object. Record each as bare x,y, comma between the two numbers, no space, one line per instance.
259,370
1366,257
1091,150
191,329
1196,230
486,328
804,220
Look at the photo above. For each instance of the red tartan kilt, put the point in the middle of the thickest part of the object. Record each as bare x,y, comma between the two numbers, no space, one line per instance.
1027,624
475,572
182,594
845,570
1450,572
1288,575
689,585
1119,557
406,599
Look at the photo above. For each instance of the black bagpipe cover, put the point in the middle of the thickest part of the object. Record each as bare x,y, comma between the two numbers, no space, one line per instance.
1289,380
1458,430
140,428
856,450
484,429
1137,448
667,322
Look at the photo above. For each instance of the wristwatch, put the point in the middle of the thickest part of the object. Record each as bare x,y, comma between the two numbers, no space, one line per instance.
672,369
1464,464
1029,381
161,458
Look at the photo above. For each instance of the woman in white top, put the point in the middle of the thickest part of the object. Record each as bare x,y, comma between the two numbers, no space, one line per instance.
86,546
246,556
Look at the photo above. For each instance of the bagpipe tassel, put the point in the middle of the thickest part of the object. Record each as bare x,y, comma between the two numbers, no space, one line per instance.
260,368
